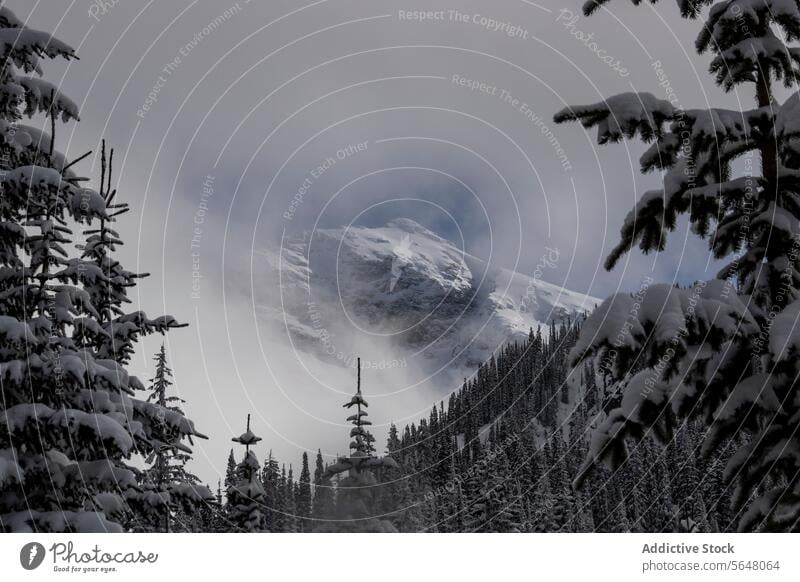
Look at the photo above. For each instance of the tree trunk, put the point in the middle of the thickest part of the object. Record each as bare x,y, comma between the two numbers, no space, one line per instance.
769,150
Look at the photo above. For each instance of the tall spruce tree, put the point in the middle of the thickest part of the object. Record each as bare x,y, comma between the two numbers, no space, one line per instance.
273,494
290,499
724,351
246,497
171,487
230,470
323,491
394,494
355,493
304,495
69,422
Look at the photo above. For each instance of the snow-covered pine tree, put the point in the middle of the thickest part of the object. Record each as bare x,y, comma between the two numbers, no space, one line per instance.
230,471
171,488
282,523
274,499
210,517
68,421
323,491
726,350
290,515
476,501
304,495
246,497
564,506
504,499
354,492
395,498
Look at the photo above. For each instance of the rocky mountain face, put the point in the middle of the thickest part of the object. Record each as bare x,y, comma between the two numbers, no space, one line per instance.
404,284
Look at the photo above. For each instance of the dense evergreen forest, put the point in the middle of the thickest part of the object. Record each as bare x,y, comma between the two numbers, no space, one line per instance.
552,434
501,456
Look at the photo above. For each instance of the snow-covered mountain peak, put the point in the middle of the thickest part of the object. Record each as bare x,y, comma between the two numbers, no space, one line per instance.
401,256
404,282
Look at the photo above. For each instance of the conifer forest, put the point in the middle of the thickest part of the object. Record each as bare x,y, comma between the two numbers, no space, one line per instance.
410,291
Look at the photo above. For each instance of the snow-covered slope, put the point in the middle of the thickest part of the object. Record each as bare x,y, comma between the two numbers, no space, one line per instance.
405,284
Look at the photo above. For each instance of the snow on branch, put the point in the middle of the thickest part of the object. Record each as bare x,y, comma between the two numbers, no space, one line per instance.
22,46
44,97
622,116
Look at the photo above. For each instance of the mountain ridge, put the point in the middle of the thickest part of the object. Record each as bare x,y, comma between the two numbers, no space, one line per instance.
403,282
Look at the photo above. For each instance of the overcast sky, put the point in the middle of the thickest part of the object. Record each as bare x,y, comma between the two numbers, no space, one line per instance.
220,111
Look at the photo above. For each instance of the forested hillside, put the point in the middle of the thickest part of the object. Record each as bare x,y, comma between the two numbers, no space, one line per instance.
501,456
